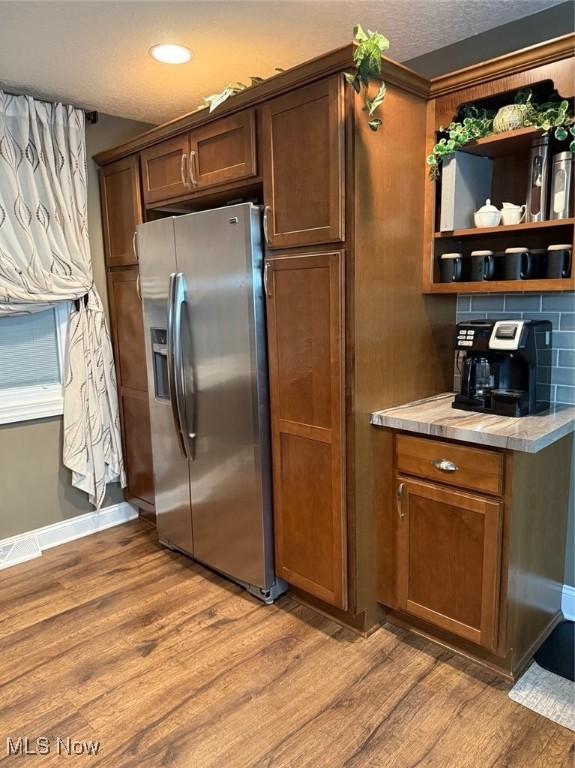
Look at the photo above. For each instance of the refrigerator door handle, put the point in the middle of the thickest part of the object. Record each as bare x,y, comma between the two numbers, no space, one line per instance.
176,299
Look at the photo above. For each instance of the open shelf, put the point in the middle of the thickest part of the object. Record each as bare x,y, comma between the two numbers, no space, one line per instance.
507,143
503,229
542,285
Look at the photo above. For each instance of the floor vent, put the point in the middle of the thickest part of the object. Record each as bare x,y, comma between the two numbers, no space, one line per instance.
19,552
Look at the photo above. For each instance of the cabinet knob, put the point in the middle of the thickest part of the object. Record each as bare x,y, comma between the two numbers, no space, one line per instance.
444,465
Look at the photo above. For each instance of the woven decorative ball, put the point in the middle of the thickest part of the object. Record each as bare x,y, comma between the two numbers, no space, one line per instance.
509,118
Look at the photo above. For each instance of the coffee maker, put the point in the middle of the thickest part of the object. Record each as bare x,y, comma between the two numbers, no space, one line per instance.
501,359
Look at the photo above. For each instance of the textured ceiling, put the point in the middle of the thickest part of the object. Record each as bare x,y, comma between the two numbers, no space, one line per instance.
94,54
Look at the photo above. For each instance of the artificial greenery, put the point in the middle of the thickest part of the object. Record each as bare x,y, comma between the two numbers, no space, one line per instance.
367,60
230,90
555,116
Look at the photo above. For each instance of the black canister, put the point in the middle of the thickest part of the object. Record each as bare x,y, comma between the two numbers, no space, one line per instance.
518,264
559,260
482,266
451,267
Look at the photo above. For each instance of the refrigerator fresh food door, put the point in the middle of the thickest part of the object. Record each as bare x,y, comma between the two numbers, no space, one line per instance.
219,254
162,299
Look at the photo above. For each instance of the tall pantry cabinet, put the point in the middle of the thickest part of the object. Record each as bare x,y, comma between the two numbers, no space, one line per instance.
349,330
121,212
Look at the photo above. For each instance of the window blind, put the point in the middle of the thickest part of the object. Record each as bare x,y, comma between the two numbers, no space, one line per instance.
29,350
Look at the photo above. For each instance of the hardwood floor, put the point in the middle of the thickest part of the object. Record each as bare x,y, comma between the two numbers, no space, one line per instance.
114,639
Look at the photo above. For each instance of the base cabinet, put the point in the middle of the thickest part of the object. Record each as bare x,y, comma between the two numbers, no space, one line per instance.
481,572
449,558
305,339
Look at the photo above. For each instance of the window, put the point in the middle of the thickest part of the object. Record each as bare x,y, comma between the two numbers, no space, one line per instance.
32,364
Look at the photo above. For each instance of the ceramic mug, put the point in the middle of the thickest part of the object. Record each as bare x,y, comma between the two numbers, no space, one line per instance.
512,214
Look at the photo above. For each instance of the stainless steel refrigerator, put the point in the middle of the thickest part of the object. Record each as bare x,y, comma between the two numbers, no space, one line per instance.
204,324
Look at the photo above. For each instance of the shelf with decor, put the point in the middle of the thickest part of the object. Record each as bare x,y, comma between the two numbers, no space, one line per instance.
496,166
505,229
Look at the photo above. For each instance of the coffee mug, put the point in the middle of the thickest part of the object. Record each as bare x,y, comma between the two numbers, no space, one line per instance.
512,214
518,264
482,266
451,267
559,261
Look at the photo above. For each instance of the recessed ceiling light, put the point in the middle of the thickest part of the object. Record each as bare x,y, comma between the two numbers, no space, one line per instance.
168,53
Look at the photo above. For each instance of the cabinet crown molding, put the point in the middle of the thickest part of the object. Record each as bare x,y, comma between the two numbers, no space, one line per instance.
502,66
338,60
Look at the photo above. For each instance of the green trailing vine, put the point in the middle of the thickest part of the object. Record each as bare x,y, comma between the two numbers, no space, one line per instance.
554,116
369,47
367,59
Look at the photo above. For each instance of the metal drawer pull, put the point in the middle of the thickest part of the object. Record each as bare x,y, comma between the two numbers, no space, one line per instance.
192,168
183,161
265,222
444,465
266,280
399,498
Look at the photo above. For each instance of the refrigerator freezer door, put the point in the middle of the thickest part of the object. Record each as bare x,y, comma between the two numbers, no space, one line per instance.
219,253
156,253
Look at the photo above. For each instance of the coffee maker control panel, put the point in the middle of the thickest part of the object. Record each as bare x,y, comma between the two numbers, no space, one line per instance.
474,335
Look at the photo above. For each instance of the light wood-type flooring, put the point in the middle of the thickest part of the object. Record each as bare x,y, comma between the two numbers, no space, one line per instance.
112,638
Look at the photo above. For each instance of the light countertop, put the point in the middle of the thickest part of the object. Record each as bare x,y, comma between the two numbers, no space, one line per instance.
435,416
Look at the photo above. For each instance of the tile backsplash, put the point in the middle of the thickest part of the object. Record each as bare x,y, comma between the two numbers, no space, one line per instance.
559,308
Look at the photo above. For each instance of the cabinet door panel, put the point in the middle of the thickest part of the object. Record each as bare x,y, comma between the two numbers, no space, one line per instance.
225,150
128,329
165,169
305,338
137,446
130,357
303,141
121,210
449,559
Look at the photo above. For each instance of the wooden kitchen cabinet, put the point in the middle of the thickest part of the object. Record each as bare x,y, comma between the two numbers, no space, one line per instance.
448,558
130,358
474,560
137,447
304,173
216,153
121,210
306,358
224,151
166,169
346,317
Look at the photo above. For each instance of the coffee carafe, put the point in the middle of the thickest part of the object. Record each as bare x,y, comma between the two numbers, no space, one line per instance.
478,377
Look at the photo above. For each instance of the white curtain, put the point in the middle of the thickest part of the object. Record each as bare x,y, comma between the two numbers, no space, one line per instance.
45,258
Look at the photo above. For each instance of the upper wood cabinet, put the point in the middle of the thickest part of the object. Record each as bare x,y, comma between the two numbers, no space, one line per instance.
216,153
165,169
224,151
303,152
306,358
449,559
121,210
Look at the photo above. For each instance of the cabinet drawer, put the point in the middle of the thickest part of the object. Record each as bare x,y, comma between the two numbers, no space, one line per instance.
475,469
